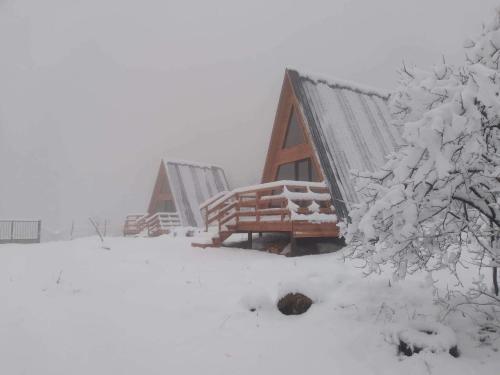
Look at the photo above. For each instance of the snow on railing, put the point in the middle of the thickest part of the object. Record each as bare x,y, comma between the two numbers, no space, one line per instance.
213,199
161,222
304,196
274,201
156,224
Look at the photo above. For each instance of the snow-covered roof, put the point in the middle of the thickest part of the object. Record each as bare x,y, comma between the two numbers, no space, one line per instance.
192,184
350,127
336,83
190,163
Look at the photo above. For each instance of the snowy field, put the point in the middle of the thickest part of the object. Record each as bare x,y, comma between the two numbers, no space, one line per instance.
158,306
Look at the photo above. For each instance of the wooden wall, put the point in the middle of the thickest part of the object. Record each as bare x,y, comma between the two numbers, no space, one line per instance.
276,154
161,192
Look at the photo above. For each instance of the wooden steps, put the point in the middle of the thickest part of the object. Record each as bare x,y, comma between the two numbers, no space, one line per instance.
134,224
216,241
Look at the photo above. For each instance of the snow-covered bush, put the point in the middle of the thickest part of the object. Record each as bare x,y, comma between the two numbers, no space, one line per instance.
424,336
439,194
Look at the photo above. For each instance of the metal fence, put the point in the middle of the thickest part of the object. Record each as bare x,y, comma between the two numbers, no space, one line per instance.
20,231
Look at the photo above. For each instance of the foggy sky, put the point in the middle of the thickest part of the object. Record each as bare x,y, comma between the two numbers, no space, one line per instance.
94,92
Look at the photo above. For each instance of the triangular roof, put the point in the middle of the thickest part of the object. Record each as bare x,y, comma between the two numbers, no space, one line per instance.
349,127
192,184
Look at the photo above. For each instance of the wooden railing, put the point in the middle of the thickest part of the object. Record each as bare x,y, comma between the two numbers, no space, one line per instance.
280,201
20,231
156,224
161,223
134,224
211,200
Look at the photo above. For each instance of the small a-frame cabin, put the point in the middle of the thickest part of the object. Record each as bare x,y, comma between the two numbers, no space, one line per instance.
323,129
179,190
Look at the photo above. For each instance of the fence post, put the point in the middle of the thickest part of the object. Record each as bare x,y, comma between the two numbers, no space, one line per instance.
39,230
12,230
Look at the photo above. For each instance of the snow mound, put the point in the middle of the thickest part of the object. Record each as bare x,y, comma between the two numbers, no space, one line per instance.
425,336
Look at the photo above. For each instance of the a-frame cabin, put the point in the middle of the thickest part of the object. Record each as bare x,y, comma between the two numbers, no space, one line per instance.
179,190
323,129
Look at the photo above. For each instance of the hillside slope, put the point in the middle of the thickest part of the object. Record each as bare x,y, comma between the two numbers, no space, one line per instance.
158,306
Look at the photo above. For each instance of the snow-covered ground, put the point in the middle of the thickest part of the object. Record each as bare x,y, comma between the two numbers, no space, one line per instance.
158,306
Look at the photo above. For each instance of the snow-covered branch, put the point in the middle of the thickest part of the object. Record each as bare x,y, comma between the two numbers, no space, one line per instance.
438,196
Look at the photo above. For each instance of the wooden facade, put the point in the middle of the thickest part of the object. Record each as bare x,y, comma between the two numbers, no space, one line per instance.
280,154
162,199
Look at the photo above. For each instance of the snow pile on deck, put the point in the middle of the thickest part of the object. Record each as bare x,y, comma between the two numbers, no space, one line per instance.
158,306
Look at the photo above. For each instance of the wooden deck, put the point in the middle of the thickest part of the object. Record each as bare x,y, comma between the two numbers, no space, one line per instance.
302,209
154,225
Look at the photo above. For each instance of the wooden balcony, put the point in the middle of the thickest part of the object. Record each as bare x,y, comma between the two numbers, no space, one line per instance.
154,225
302,209
161,223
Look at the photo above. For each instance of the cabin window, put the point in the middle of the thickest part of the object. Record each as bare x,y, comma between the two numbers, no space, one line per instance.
300,170
314,174
286,172
168,206
304,170
294,135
